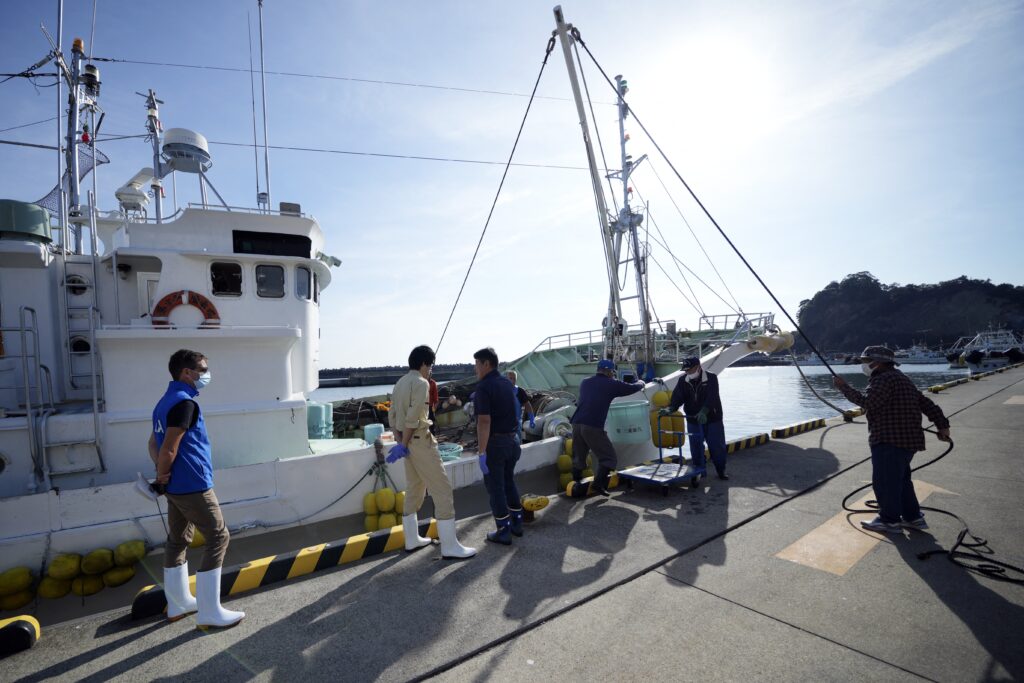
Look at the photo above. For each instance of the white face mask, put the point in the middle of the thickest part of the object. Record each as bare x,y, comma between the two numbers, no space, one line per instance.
866,369
692,375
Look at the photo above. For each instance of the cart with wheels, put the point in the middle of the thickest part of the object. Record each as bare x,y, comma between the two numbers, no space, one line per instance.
672,469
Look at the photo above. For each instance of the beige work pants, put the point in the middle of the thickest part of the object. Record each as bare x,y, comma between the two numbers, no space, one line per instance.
186,513
423,471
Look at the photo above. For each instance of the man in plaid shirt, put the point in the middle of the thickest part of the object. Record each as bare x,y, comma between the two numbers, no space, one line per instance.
893,406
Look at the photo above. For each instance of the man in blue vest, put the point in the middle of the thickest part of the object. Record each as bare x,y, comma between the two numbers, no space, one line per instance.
181,450
596,395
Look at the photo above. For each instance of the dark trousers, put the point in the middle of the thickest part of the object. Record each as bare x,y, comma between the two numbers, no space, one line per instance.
502,455
585,439
890,480
714,434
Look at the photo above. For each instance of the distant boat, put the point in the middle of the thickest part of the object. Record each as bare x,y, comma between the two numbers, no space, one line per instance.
919,355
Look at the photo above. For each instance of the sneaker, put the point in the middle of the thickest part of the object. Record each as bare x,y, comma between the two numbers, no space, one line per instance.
918,524
143,488
878,525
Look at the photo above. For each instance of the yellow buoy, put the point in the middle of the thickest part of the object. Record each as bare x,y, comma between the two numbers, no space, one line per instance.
198,540
661,399
16,600
588,472
87,585
128,553
679,425
15,580
568,447
564,479
533,503
118,576
400,503
370,504
98,561
565,463
65,567
51,588
385,499
371,523
388,520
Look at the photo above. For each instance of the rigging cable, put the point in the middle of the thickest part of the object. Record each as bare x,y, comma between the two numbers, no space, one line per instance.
26,125
508,164
696,239
650,217
576,36
328,77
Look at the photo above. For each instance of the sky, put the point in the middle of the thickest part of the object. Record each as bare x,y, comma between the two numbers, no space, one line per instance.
825,139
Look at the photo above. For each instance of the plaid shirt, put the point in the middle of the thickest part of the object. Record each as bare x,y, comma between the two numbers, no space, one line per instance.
894,406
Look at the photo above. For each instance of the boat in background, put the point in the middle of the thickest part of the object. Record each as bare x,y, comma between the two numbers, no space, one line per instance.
918,354
990,350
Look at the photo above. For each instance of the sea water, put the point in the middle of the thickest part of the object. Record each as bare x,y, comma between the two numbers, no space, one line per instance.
754,399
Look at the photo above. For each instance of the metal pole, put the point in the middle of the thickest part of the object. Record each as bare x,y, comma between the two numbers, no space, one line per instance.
266,139
61,211
611,265
252,92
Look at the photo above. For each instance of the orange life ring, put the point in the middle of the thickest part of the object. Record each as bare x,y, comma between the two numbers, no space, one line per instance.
162,311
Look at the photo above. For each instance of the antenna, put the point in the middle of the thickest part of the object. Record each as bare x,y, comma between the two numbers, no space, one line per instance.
252,90
266,140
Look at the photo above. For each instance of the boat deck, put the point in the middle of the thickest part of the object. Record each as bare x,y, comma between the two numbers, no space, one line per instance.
644,587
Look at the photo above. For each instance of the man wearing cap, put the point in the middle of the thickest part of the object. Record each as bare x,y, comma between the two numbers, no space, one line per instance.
893,406
588,434
697,393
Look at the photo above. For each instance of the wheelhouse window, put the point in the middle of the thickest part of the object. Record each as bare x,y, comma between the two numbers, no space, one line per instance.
226,279
303,286
270,282
316,289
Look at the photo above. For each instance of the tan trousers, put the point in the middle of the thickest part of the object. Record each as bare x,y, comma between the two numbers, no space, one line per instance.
423,471
187,512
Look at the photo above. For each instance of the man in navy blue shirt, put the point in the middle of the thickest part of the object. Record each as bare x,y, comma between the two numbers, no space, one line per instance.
180,448
497,425
697,393
588,434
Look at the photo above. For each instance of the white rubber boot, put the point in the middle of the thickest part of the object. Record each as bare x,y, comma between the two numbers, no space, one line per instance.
411,529
180,602
211,614
451,549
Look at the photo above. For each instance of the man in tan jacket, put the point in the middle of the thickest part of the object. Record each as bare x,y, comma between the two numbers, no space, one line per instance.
410,422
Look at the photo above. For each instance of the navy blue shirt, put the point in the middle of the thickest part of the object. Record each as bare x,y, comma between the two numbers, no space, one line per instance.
596,394
496,396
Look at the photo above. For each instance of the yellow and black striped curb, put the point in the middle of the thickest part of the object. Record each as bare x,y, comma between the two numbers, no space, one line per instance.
946,385
936,388
151,601
18,633
798,428
747,442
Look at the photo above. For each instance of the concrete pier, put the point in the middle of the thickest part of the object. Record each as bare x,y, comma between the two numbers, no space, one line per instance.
754,579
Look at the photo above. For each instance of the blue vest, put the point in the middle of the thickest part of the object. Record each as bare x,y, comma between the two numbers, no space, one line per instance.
192,470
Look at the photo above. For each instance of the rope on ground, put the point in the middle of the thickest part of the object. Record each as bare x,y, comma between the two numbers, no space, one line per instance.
504,175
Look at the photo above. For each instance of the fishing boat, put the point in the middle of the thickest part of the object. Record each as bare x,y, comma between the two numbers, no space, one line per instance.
95,301
991,350
918,354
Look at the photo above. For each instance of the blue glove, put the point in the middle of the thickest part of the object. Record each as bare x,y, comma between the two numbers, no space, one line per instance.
482,459
702,416
397,452
532,420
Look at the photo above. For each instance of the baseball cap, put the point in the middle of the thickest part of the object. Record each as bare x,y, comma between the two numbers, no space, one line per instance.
605,364
690,362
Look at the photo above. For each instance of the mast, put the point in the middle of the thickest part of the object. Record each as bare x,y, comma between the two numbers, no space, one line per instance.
629,220
155,128
263,86
612,334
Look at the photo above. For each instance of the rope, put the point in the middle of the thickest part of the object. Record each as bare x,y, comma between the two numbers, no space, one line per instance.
576,36
547,53
845,413
977,555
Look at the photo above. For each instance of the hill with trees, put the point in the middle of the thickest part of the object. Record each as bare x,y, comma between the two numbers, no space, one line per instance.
859,310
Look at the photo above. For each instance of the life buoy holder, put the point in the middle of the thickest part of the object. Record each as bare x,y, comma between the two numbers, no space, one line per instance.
162,311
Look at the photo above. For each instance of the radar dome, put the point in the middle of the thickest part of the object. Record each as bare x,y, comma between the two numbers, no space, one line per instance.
187,151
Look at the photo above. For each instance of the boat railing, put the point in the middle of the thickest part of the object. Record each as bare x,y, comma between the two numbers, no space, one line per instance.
729,321
248,210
